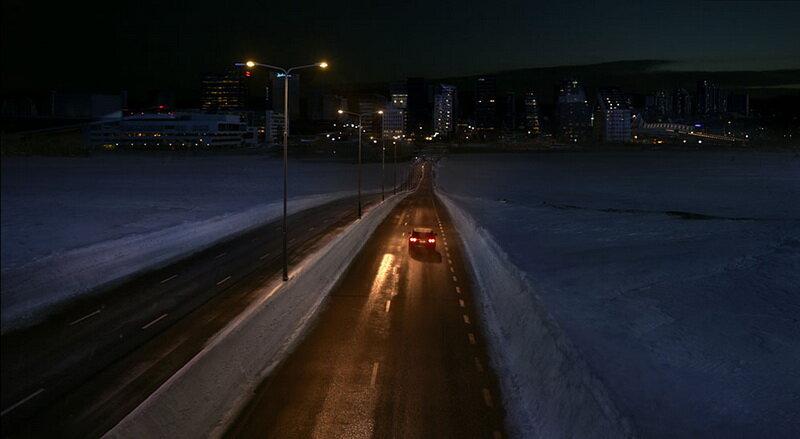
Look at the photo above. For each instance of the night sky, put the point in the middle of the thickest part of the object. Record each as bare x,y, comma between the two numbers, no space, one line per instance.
156,45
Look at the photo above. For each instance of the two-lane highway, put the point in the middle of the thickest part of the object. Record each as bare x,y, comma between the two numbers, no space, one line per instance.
397,352
84,369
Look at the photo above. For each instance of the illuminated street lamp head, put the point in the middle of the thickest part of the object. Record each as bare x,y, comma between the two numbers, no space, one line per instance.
250,64
323,64
380,111
341,111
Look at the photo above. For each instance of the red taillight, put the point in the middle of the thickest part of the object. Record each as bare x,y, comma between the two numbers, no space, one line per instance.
431,240
412,239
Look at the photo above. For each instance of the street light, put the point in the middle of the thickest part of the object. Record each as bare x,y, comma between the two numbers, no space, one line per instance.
383,157
359,155
286,75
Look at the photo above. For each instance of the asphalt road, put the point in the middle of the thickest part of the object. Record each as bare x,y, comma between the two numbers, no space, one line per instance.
398,351
84,369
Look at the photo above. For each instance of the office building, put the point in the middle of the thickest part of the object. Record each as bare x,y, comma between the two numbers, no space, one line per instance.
277,87
509,113
225,92
419,109
711,99
399,94
681,105
533,125
174,131
368,106
444,108
573,118
394,122
612,116
485,105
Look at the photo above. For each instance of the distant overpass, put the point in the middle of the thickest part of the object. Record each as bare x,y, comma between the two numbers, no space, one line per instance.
682,130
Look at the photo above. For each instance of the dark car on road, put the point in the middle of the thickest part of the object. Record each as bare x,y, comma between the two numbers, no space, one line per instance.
422,238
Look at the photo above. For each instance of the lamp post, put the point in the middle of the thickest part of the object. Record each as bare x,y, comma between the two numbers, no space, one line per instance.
383,157
394,143
286,75
360,128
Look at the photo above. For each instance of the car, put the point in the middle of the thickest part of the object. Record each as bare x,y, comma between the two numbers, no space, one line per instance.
422,238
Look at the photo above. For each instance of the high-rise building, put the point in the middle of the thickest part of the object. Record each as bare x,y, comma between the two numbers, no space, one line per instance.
532,124
419,109
276,90
224,92
711,99
368,106
509,112
681,105
663,104
612,116
444,108
485,105
394,122
573,117
399,94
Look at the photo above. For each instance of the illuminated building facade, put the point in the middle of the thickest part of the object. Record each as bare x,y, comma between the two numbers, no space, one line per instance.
612,116
225,92
444,107
573,117
533,125
394,122
485,105
174,131
399,94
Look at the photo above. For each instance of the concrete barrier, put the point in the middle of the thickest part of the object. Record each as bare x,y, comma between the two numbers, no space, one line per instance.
204,396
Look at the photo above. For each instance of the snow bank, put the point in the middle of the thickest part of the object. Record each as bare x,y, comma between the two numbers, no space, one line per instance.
209,391
67,275
74,225
548,389
674,274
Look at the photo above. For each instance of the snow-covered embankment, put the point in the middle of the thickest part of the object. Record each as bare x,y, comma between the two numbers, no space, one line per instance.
207,393
549,390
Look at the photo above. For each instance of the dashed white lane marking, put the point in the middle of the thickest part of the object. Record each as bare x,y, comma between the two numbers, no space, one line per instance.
487,398
154,321
75,322
223,280
168,279
388,305
449,261
478,365
461,303
28,398
458,290
471,338
455,279
451,270
466,319
220,255
374,377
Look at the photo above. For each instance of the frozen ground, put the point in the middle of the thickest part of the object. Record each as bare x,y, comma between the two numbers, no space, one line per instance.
71,224
675,276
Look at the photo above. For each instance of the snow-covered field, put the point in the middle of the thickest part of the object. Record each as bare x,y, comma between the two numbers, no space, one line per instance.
674,275
72,224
